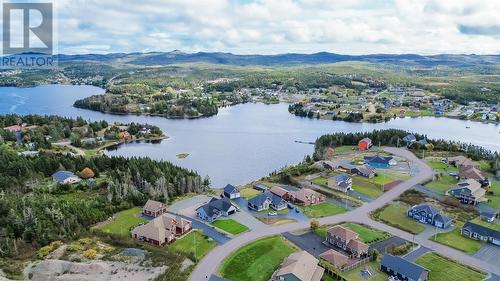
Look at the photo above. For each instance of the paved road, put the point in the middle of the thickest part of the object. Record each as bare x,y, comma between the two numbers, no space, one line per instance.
209,264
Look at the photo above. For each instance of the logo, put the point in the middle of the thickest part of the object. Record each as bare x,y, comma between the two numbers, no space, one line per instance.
28,35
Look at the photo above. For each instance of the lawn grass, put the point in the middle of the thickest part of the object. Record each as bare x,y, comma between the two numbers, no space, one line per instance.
249,193
395,215
393,174
494,199
444,269
230,226
486,224
186,244
258,260
439,166
455,240
124,221
366,187
366,234
381,179
442,184
324,209
354,275
321,181
344,148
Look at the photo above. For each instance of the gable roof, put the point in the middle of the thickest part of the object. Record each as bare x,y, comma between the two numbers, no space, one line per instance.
157,228
336,258
403,266
365,169
470,186
367,140
279,191
61,176
217,205
230,189
471,172
300,264
409,138
428,209
153,206
358,246
306,194
342,232
461,161
378,159
481,230
267,195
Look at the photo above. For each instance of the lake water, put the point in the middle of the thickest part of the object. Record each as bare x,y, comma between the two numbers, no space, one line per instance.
241,143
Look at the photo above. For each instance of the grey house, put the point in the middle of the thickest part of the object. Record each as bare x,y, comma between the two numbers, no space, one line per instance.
403,269
216,208
265,201
425,213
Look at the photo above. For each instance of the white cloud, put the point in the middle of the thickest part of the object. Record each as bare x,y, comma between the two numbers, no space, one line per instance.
280,26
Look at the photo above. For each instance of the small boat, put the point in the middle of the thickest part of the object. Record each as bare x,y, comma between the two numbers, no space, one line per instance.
467,127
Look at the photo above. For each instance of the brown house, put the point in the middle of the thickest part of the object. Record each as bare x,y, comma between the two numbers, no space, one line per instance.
462,161
281,192
346,240
335,258
162,230
306,197
154,208
470,172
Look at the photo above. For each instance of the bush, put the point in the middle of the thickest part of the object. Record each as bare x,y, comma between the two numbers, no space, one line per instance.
85,241
44,251
90,254
75,247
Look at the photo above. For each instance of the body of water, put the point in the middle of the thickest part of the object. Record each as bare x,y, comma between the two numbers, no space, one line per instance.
241,143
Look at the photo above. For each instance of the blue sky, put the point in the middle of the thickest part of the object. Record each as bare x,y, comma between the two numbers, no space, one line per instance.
279,26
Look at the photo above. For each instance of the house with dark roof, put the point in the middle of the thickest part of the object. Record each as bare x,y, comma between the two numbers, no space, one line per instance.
265,201
402,269
378,161
489,216
426,213
365,171
480,232
231,192
216,208
409,139
342,182
65,177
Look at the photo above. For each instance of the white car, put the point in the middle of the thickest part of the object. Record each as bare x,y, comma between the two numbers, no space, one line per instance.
272,214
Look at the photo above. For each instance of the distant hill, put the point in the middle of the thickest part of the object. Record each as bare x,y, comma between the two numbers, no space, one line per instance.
177,57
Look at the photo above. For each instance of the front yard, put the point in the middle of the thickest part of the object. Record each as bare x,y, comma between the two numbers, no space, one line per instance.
455,240
364,186
249,192
395,215
366,234
258,260
125,220
494,198
439,166
324,209
230,226
444,269
194,239
442,184
355,274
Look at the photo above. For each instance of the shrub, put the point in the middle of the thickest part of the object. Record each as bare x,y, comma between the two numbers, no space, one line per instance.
90,254
44,251
75,247
85,241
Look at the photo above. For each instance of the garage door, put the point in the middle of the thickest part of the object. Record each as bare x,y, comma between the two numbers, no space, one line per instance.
231,212
495,241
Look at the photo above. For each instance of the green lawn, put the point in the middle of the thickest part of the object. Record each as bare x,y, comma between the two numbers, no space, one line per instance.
444,269
354,275
486,224
381,179
439,166
321,181
256,261
394,175
367,235
187,244
324,209
443,184
494,199
395,215
124,221
366,187
249,193
230,226
344,148
455,240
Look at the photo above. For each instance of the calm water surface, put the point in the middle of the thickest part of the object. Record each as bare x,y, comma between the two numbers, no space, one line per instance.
241,143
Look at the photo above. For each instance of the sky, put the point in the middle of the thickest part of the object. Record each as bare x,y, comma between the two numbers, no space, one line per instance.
279,26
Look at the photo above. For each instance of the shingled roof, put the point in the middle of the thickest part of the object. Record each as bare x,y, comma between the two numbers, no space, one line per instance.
402,266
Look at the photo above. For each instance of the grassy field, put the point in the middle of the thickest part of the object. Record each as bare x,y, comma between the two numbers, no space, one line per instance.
444,269
230,226
344,149
455,240
187,244
249,193
393,174
494,199
366,187
381,179
442,184
124,221
439,166
324,209
256,261
486,224
395,215
354,275
367,235
321,181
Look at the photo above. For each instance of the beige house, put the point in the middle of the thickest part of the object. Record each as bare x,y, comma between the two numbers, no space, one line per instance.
154,208
468,192
347,240
299,266
335,258
162,230
306,197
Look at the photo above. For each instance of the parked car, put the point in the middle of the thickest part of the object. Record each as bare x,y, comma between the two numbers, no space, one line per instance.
272,214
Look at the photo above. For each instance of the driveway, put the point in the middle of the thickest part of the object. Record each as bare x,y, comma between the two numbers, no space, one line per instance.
219,237
188,206
489,253
417,253
382,245
309,242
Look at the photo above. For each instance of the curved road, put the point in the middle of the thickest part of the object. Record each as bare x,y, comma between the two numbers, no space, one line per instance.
209,264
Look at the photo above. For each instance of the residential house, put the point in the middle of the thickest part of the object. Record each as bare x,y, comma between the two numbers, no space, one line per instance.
216,208
280,192
231,192
489,216
402,269
482,233
461,161
346,240
470,172
162,230
379,161
65,177
426,213
364,144
340,182
299,266
306,197
335,258
13,129
468,192
260,187
346,168
366,171
265,201
154,208
124,136
409,139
